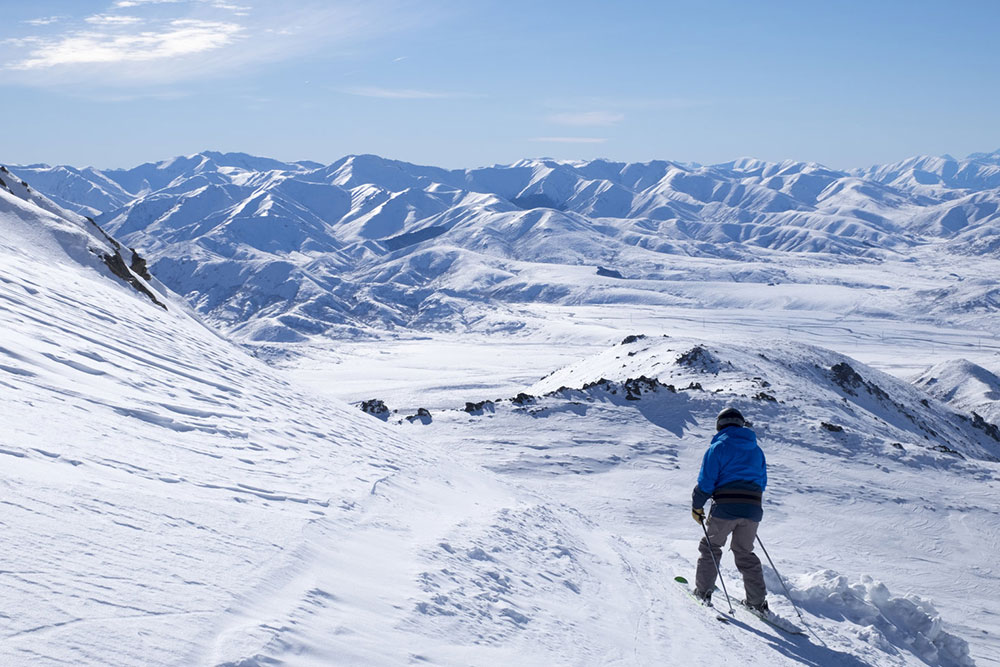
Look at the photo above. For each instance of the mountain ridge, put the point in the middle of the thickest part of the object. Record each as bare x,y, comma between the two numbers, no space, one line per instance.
337,232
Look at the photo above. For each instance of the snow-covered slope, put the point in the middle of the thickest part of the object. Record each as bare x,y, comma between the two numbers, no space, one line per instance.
924,173
275,251
42,223
965,385
85,191
859,407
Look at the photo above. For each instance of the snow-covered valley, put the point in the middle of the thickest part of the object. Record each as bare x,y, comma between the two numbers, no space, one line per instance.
173,500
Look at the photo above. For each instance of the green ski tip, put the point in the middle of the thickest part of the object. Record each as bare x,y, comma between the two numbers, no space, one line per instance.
680,580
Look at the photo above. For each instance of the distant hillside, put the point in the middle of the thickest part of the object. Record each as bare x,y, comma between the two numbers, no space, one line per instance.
842,405
965,385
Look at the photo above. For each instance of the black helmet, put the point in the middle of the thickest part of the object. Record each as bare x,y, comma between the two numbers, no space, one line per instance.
729,417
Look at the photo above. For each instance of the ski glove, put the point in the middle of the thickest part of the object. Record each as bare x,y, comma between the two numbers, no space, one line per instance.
698,515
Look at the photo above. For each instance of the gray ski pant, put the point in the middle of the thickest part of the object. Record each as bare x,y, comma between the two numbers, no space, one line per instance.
743,531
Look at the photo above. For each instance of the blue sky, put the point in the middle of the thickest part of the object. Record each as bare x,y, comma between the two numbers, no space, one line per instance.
115,83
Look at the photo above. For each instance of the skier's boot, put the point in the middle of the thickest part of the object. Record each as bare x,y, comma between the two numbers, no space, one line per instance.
704,597
759,608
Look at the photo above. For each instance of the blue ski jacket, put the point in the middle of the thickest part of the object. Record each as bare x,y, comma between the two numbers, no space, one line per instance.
733,473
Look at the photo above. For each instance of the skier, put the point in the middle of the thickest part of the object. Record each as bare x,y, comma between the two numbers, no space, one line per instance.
734,474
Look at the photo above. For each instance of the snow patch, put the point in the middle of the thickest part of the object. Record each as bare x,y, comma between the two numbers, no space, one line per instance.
891,623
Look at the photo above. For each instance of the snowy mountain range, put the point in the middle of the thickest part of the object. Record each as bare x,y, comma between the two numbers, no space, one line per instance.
275,251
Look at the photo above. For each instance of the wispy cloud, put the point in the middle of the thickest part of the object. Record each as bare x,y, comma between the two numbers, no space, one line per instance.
180,37
569,140
566,105
218,4
162,95
587,118
241,10
127,4
20,42
112,19
45,20
160,42
404,93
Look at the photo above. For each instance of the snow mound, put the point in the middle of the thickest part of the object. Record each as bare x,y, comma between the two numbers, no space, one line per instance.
892,624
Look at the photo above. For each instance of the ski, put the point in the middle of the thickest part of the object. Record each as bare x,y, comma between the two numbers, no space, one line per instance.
771,619
774,621
684,582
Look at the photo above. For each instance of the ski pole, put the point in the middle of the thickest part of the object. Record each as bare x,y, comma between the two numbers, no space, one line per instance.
708,543
780,579
795,606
